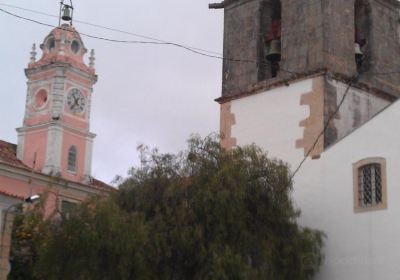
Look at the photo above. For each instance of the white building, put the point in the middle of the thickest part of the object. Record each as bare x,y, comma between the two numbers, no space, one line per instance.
323,86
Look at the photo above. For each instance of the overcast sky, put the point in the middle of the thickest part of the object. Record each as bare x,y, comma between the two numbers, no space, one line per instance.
156,95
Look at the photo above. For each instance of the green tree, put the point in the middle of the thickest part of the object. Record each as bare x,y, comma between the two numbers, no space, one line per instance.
28,233
204,213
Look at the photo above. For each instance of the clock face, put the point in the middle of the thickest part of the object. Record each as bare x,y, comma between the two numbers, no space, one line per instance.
76,101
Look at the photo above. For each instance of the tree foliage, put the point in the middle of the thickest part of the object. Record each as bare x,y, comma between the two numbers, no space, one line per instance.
26,239
204,213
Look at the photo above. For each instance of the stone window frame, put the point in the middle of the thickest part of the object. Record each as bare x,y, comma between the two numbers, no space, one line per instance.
72,156
67,199
35,96
356,167
75,49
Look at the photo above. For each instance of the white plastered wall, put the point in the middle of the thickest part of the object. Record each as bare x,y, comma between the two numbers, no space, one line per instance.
271,120
359,246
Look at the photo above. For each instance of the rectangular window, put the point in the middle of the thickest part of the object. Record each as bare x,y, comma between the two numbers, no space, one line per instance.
67,207
369,184
72,152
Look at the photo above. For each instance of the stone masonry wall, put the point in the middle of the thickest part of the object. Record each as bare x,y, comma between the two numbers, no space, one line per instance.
316,34
385,47
302,31
241,39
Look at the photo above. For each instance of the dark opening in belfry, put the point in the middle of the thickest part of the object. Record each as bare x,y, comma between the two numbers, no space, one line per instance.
361,33
273,37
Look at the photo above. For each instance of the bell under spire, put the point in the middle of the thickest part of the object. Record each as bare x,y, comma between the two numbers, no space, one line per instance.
66,12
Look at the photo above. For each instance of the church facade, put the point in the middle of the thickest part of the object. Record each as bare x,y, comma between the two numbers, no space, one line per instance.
54,151
318,80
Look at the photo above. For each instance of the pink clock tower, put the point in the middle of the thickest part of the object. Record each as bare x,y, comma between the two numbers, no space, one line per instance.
55,137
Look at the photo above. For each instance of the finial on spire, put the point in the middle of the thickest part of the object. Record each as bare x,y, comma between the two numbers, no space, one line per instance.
91,59
33,54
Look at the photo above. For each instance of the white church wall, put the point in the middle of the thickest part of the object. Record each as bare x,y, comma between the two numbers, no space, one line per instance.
358,245
271,120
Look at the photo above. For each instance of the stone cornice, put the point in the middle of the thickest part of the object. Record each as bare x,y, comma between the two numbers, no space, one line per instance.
57,124
26,175
394,4
286,81
61,66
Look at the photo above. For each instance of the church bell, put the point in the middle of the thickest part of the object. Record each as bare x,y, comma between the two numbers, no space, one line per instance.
66,14
357,50
274,51
358,55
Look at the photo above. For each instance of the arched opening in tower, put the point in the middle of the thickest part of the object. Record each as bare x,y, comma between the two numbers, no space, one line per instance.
271,18
362,25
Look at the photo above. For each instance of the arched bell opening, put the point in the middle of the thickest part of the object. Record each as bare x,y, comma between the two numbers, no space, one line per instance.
273,38
362,25
271,15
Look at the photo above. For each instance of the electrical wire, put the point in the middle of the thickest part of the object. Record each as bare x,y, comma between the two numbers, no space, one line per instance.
146,42
196,51
330,118
105,27
384,73
152,38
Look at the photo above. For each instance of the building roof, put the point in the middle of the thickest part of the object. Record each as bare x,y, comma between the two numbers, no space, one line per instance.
101,185
8,155
11,195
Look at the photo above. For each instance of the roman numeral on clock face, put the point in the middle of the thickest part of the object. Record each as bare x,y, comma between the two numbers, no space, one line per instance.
76,101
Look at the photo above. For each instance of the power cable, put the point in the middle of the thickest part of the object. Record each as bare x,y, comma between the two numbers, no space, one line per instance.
266,63
330,118
384,73
148,37
109,39
159,42
105,27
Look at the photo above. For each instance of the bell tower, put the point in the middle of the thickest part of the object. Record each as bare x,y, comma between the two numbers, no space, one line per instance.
55,137
274,40
345,51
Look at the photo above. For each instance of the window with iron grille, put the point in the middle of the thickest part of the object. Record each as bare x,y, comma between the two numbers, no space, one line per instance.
370,185
72,153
